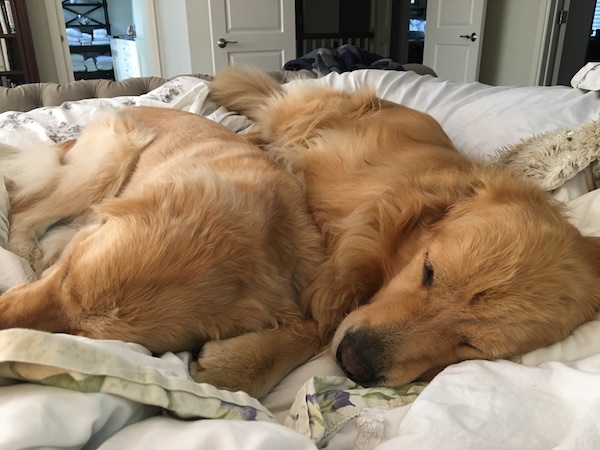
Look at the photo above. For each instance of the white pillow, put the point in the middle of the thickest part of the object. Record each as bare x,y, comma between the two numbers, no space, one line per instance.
480,119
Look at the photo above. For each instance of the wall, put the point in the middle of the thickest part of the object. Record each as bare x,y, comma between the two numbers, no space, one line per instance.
321,16
120,16
200,38
511,43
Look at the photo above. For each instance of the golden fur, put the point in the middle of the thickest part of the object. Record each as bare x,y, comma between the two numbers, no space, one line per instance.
180,233
433,258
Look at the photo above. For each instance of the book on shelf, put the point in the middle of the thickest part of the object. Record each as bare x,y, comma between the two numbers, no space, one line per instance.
2,64
10,20
4,24
6,82
4,48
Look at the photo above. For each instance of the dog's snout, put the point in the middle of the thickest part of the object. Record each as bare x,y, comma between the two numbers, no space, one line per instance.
361,357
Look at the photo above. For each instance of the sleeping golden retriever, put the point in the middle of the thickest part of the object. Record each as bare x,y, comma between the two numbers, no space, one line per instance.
432,258
179,233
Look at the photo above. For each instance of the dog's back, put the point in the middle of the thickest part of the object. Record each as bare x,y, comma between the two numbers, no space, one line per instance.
199,236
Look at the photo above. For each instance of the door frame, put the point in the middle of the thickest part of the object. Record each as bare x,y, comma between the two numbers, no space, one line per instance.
576,39
60,46
144,17
551,35
50,42
381,25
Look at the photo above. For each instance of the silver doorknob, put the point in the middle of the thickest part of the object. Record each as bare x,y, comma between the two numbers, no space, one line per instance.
472,36
223,42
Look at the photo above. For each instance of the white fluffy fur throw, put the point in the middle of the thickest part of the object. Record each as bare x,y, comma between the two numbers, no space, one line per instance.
552,158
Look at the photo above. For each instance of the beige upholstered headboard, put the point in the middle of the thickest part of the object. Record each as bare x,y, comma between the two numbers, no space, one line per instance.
30,96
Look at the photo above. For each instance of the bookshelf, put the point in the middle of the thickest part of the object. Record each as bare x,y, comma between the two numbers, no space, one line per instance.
16,45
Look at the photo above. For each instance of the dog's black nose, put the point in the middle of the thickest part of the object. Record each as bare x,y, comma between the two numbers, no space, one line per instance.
361,357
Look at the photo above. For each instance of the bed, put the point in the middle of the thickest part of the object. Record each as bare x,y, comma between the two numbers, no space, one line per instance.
61,391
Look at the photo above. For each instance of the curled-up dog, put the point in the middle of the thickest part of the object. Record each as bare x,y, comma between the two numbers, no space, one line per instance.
166,229
432,258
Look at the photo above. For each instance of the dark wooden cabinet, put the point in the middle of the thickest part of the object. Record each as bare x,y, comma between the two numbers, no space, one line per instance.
18,64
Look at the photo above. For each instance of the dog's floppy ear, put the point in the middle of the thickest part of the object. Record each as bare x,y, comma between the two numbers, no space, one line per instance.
373,232
397,216
365,245
591,251
357,258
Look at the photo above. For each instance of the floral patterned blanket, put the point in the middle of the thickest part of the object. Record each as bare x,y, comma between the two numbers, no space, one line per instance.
124,373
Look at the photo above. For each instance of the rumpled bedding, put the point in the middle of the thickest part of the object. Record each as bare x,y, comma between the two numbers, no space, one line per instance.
344,58
61,391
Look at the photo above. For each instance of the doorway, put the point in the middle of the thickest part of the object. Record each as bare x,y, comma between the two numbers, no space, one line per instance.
332,23
407,38
593,49
575,50
90,27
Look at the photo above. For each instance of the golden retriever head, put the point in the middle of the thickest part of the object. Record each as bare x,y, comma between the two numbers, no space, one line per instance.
498,274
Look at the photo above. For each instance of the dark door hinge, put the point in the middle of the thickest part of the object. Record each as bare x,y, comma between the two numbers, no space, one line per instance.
562,16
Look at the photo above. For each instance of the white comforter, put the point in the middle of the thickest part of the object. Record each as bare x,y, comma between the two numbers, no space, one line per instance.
69,392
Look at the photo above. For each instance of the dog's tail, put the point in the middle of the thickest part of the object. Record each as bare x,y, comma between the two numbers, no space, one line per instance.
288,118
244,89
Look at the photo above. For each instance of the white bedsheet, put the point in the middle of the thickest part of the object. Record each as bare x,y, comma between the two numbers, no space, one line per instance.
480,119
548,399
503,405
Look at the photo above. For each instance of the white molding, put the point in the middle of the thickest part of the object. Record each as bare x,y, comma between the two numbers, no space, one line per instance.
144,17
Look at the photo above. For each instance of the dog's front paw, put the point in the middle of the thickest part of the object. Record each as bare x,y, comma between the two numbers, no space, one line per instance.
26,249
219,364
254,362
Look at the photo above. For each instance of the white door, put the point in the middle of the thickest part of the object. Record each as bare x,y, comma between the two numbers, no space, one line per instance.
453,37
257,32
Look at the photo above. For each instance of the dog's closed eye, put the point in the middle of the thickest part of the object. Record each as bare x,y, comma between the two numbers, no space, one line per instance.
476,298
427,273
